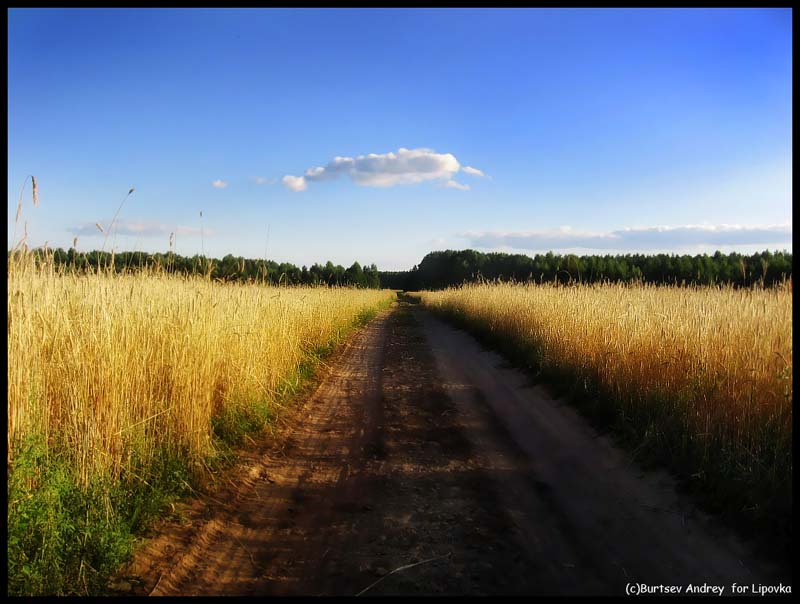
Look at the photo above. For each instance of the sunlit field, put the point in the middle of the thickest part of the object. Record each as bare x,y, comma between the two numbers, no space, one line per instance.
109,375
698,377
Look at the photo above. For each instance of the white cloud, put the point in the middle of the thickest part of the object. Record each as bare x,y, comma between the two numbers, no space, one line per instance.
260,180
138,228
452,184
406,166
472,171
636,238
295,183
219,184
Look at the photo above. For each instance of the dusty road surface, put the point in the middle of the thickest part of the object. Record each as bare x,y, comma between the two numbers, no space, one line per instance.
423,464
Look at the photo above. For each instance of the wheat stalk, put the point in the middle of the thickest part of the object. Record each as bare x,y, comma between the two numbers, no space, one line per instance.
19,207
712,360
118,366
113,220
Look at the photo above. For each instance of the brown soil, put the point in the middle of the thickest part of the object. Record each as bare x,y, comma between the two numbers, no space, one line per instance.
421,453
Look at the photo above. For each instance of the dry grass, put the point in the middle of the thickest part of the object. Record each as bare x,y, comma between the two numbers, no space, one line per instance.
702,374
110,369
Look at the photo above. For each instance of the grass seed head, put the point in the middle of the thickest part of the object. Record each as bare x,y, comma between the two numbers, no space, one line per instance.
35,191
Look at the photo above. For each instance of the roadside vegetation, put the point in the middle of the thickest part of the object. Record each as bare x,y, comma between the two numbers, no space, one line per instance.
695,378
127,390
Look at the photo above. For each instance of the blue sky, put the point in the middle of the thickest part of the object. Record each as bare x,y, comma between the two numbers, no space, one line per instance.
513,130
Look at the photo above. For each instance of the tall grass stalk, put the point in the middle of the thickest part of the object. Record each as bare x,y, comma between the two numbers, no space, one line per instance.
114,219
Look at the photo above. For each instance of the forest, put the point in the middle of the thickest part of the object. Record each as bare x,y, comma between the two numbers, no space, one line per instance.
443,269
227,269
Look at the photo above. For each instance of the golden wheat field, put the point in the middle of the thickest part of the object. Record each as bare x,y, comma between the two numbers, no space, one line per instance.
111,368
706,368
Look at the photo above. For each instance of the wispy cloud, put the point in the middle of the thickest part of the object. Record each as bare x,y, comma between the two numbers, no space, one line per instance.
141,228
452,184
635,238
405,167
261,180
472,171
219,184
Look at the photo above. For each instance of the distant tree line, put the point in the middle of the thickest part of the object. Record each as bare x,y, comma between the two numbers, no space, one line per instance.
443,269
228,268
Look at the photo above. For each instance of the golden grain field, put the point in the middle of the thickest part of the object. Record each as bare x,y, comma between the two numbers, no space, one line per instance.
704,373
108,369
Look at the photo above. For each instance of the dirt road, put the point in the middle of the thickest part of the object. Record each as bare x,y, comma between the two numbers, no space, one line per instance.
422,452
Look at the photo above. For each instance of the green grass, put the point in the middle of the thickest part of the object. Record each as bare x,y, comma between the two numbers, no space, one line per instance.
67,540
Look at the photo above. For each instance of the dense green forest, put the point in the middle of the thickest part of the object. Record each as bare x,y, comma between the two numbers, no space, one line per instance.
229,268
443,269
